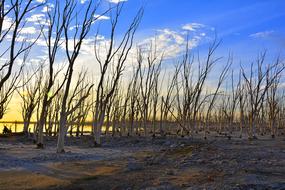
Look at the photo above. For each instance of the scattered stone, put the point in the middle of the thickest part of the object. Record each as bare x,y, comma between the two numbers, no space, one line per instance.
167,143
169,172
133,166
162,187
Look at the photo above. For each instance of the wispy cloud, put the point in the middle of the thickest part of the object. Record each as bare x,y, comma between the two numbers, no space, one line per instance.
38,18
116,1
263,34
48,7
40,1
7,23
29,30
171,43
101,17
83,1
193,26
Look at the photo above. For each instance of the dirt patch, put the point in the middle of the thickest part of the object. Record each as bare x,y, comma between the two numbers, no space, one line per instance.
21,180
145,163
83,170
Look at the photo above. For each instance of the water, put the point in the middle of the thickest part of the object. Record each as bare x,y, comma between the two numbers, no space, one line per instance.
18,127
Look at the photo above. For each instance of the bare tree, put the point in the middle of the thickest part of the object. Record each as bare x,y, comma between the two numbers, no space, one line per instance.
134,94
229,105
114,55
257,87
167,101
149,76
242,98
30,94
190,96
53,37
12,13
72,54
7,91
198,99
273,98
79,92
216,92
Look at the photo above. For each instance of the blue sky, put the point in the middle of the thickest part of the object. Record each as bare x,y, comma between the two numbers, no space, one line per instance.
245,27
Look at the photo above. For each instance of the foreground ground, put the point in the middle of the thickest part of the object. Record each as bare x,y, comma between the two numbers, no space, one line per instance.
144,163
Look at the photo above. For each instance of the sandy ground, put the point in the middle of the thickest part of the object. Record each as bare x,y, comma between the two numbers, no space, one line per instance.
144,163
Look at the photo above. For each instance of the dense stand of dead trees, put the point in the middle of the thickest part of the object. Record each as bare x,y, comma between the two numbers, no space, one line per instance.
12,21
182,101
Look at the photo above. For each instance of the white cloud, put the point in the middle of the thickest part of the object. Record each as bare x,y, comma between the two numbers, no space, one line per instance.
101,17
83,1
172,42
40,1
23,37
100,38
169,42
7,23
97,17
29,30
116,1
48,7
193,26
74,27
36,18
168,35
111,1
39,42
263,34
